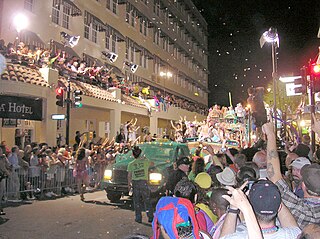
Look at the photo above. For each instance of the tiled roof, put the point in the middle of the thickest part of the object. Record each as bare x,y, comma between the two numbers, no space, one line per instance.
17,72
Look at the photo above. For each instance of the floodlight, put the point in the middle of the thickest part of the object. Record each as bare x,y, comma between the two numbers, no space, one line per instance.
270,36
133,67
71,40
110,55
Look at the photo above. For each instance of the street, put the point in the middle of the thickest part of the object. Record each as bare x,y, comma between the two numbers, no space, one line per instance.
70,218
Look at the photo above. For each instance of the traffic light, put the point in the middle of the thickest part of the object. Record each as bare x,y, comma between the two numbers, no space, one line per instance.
315,74
301,83
59,97
77,98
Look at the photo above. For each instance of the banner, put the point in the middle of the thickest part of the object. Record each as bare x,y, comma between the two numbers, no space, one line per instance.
13,107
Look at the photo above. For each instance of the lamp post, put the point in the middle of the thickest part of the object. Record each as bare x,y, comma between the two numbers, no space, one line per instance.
166,75
271,36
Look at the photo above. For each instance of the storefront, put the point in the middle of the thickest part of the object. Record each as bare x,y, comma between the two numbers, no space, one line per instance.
19,117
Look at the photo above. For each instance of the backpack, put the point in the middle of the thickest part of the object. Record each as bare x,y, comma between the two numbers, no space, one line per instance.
171,211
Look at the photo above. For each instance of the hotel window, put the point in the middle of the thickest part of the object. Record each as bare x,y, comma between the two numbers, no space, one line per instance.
55,13
143,26
66,16
29,5
156,7
59,17
91,27
131,14
112,5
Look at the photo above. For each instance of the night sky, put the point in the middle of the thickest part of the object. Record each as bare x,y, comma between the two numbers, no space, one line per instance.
236,60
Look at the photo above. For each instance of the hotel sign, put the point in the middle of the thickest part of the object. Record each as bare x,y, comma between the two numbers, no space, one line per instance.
13,107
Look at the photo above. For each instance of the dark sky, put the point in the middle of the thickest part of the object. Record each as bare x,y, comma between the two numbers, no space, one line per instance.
236,60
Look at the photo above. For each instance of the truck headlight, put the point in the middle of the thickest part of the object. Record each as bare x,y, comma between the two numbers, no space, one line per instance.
155,178
107,174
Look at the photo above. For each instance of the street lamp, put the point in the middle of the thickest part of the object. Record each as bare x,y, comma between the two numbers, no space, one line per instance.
20,22
271,36
166,75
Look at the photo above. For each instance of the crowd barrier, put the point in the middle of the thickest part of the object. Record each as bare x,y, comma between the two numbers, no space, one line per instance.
38,182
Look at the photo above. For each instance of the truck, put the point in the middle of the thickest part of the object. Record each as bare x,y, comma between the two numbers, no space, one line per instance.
162,154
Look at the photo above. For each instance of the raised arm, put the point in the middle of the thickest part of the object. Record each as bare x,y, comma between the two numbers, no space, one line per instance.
285,217
273,163
238,200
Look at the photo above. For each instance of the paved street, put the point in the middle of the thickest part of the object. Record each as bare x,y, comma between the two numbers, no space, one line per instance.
70,218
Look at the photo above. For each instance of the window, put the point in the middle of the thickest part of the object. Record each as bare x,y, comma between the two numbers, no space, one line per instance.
29,5
59,17
131,14
66,16
112,5
90,27
143,61
156,36
143,26
156,7
55,13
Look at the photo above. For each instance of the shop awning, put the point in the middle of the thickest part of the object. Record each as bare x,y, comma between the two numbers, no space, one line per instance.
75,10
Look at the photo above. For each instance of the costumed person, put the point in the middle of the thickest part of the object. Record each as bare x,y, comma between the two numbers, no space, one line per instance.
132,131
138,179
178,131
240,112
258,110
80,171
204,134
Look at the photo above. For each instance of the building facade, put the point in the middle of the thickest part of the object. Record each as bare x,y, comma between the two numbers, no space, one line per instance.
161,45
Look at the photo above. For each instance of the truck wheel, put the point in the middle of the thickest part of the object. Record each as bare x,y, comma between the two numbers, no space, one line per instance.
114,197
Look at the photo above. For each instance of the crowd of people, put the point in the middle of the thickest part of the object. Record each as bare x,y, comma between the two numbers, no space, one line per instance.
257,192
93,73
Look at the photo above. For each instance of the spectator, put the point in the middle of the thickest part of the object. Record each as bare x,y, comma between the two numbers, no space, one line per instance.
13,182
219,206
197,167
181,171
296,167
305,210
175,221
205,217
265,201
311,231
80,171
186,189
4,174
227,177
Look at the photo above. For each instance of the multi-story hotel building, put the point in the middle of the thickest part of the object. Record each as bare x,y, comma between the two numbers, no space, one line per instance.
166,39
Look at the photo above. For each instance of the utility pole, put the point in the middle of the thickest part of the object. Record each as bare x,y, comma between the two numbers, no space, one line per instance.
68,101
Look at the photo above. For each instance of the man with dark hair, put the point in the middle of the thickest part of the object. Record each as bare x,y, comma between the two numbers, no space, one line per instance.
219,206
305,210
265,200
181,170
138,171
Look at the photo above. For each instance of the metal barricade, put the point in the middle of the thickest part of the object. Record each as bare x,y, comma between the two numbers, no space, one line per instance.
37,181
